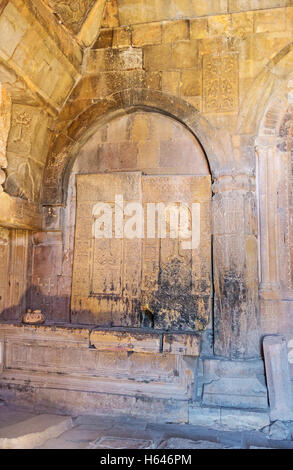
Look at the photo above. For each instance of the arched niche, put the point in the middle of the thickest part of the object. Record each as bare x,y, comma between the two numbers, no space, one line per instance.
71,135
166,153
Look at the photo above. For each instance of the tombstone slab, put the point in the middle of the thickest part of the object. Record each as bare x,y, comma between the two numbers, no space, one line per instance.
278,378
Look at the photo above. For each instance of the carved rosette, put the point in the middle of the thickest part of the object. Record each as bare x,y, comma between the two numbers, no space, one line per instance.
5,117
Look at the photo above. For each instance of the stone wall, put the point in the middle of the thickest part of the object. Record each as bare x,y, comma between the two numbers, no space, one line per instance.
146,142
222,69
181,58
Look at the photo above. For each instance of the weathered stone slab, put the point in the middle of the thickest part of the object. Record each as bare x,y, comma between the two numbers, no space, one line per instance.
236,392
65,359
215,368
234,383
179,443
125,341
176,284
278,378
204,416
104,60
120,443
150,279
106,271
18,213
243,419
155,409
181,344
278,431
73,336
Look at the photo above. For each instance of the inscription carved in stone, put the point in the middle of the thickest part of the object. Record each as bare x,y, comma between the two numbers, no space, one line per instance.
149,281
220,83
71,12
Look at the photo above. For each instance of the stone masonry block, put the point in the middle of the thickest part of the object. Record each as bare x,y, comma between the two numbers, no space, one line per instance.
175,31
146,34
278,377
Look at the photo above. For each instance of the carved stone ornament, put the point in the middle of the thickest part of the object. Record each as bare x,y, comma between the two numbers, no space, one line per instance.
33,318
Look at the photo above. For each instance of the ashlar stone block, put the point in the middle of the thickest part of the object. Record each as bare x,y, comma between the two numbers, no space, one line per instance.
278,378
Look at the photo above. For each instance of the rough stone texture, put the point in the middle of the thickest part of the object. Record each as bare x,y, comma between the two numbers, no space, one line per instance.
199,416
278,378
115,443
81,377
175,443
71,12
243,419
278,431
113,296
235,268
236,384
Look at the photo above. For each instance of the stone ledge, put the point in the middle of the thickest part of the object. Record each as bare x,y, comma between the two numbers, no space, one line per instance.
112,339
181,344
125,341
19,213
98,361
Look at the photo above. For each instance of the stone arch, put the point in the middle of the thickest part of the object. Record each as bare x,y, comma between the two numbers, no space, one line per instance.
66,145
234,186
267,88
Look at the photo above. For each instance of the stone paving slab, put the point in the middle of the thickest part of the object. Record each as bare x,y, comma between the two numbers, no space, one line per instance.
178,444
33,432
120,443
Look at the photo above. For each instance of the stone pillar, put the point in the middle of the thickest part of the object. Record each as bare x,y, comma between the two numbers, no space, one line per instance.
268,223
278,378
235,255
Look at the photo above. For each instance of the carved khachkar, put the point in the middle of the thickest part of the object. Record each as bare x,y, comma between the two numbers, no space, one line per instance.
146,281
71,12
106,271
220,83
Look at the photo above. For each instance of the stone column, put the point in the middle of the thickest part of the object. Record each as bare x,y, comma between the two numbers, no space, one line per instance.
267,193
270,169
235,255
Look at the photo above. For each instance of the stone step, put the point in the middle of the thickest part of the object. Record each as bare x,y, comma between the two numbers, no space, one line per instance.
33,432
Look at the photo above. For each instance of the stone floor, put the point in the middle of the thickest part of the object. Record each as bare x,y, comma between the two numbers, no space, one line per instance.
100,432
